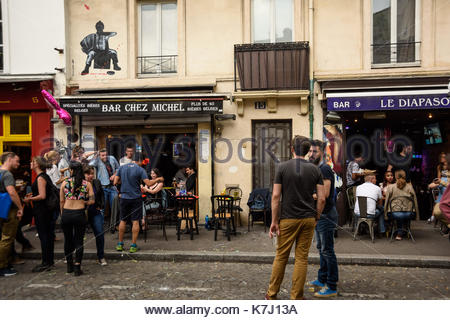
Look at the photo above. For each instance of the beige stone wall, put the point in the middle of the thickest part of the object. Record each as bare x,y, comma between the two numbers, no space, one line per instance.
343,38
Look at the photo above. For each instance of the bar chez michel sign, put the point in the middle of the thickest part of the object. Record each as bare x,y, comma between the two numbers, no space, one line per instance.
143,106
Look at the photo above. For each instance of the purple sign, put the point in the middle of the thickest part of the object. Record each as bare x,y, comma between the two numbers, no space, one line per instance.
384,103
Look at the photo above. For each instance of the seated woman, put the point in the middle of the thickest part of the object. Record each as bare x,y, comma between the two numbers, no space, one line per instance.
403,210
154,190
440,185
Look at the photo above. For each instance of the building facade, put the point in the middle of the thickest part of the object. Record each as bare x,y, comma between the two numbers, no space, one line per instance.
224,85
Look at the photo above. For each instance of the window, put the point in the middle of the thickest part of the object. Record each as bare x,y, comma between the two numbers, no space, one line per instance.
395,32
272,21
158,38
1,39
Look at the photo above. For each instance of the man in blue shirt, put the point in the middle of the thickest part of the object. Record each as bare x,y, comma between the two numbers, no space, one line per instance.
107,167
328,274
130,176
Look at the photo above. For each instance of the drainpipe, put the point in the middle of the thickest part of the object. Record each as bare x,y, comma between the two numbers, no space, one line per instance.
311,68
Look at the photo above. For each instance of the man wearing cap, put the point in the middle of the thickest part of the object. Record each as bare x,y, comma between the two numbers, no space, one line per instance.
374,196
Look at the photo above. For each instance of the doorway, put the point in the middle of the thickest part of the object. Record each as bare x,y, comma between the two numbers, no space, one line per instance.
23,150
271,146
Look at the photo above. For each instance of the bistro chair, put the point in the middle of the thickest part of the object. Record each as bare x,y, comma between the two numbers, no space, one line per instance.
236,193
222,208
259,207
397,204
364,218
185,209
155,214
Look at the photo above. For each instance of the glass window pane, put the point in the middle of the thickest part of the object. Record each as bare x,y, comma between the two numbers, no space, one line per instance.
1,58
1,33
261,21
283,20
406,29
381,31
169,30
150,45
19,125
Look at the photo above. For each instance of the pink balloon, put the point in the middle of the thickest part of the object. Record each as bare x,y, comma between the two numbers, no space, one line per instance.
52,103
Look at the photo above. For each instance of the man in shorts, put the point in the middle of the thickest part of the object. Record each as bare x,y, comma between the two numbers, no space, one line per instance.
130,176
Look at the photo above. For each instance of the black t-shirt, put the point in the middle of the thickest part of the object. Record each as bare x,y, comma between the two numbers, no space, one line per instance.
298,179
328,174
190,183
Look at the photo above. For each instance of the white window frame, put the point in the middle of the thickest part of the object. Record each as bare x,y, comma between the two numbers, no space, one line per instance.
418,36
4,22
158,3
272,21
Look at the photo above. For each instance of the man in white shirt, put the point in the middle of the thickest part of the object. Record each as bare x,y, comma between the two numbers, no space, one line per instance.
370,190
128,158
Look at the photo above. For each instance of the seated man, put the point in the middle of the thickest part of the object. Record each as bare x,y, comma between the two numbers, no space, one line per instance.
374,196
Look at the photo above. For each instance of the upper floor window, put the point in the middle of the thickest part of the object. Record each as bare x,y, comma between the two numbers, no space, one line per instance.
395,32
158,38
272,21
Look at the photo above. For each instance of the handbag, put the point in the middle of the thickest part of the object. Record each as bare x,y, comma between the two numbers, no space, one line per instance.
5,202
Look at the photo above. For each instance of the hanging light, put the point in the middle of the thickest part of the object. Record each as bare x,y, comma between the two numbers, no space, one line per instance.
356,120
430,115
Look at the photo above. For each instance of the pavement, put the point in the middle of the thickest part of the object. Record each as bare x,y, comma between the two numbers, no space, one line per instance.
430,249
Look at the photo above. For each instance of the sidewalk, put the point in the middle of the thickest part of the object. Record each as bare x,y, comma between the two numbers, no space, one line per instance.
429,250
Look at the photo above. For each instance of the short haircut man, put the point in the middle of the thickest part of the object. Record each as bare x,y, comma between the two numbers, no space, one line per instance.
296,181
10,161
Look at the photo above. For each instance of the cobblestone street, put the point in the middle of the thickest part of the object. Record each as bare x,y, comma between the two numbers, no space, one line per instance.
131,279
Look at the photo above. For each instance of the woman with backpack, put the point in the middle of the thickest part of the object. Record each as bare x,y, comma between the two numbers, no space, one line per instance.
42,188
76,193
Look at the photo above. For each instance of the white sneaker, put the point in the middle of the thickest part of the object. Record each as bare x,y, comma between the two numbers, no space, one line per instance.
102,262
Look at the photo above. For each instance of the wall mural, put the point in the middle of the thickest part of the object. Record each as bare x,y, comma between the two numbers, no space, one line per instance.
96,47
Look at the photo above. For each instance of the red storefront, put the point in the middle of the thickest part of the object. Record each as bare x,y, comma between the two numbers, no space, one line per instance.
25,126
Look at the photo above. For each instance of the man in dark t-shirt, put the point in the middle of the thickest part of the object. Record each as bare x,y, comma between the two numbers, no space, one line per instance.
10,161
328,274
130,176
295,181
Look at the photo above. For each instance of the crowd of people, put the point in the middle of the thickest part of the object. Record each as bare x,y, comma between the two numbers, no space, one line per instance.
74,192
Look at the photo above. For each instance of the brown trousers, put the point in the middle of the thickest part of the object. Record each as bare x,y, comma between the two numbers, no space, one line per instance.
301,232
9,229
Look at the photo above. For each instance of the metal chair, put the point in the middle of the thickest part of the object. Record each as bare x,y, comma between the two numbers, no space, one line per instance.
363,217
236,193
154,216
397,204
222,212
259,206
185,208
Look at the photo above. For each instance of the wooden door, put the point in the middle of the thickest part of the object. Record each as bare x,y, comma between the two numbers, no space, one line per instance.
271,146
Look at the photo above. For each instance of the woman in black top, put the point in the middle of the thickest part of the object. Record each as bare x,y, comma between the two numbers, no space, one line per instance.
45,223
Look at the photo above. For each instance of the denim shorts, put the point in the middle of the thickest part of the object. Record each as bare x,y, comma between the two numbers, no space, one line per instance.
130,209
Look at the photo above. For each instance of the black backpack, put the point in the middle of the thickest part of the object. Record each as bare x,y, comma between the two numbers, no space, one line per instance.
52,195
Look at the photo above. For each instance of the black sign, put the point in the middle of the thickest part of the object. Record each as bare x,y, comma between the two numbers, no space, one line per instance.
143,106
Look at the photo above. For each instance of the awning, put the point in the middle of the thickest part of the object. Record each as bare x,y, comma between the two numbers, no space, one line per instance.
146,105
388,100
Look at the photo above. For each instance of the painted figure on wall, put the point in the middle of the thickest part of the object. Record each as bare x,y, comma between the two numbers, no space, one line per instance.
96,46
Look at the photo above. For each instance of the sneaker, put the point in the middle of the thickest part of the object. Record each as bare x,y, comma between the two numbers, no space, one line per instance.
119,246
7,272
325,293
315,285
102,262
133,248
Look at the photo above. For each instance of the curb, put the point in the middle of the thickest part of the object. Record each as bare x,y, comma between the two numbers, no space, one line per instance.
261,258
